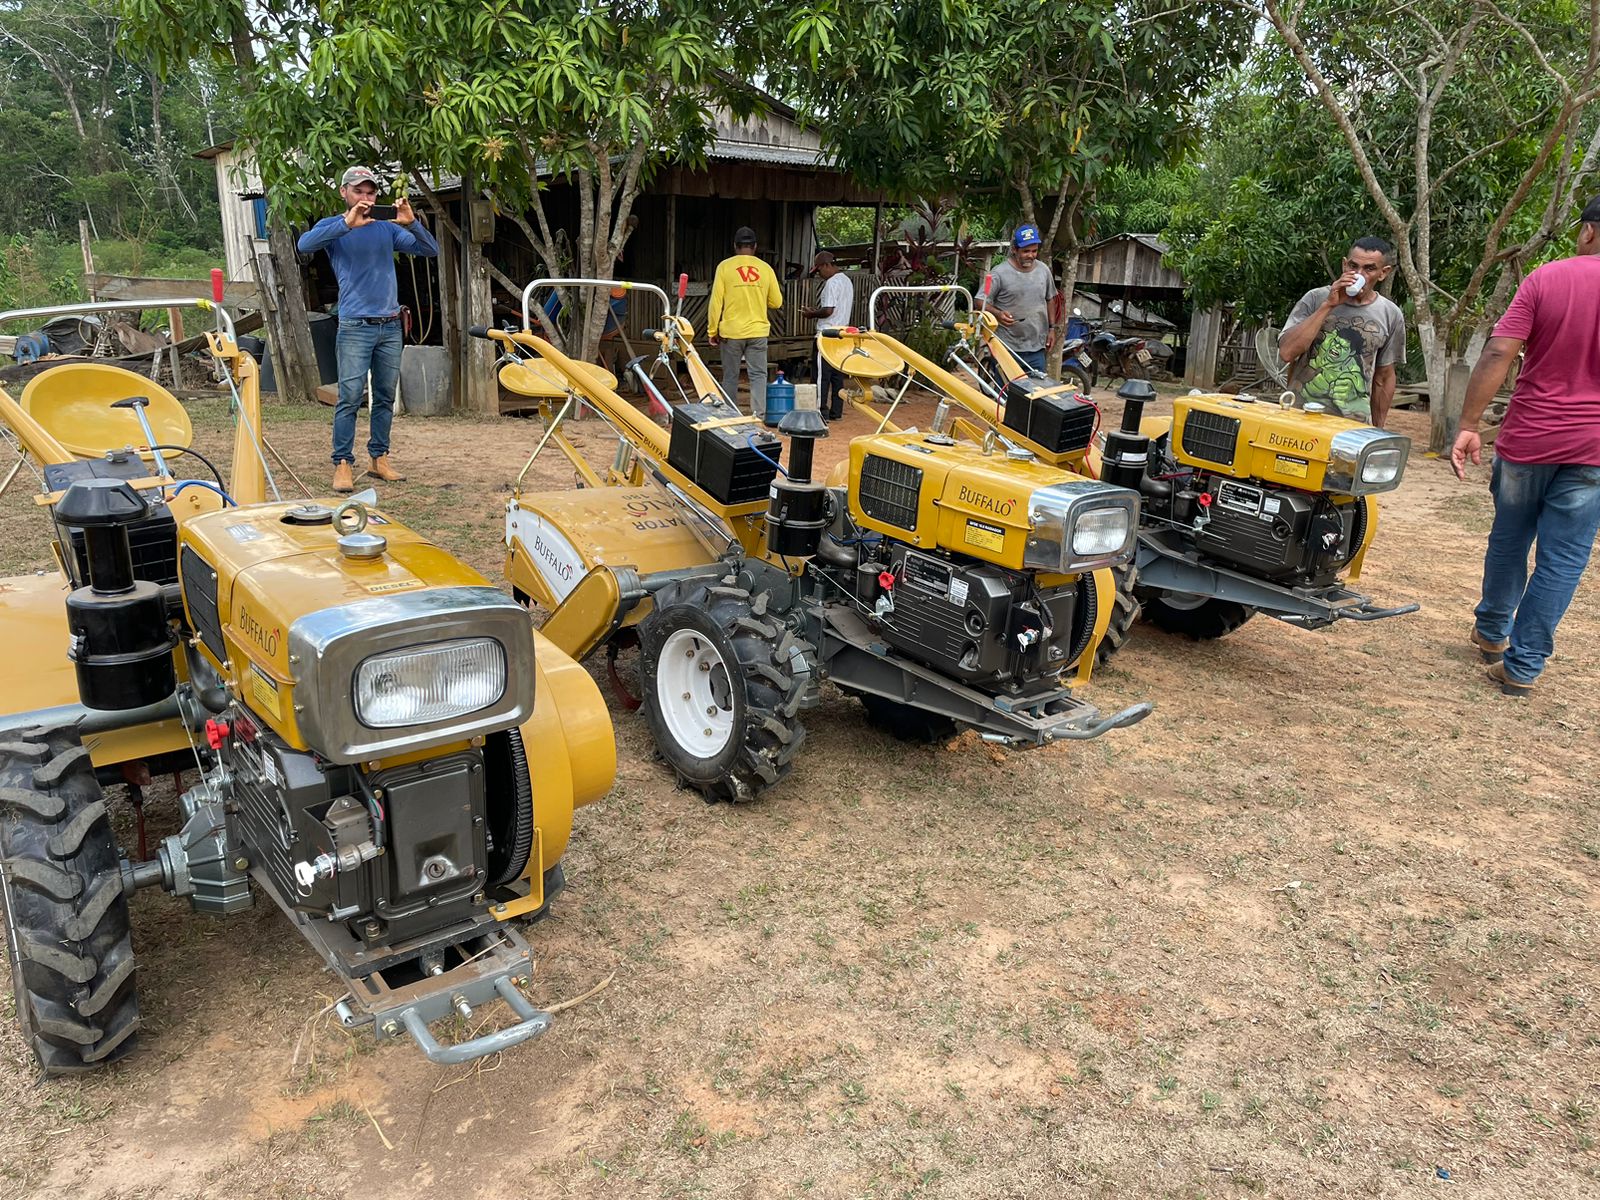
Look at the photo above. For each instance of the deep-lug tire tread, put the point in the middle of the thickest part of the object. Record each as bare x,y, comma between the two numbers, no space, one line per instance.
906,722
1214,619
770,733
67,926
1125,610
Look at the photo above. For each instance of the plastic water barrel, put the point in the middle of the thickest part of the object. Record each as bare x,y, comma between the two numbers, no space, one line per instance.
425,380
780,399
325,344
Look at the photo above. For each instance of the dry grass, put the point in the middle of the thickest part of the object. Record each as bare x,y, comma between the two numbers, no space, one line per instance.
1324,924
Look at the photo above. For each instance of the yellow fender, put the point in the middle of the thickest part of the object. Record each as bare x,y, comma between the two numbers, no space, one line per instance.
570,713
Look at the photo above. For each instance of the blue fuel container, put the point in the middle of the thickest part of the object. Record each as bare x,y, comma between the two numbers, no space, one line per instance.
780,399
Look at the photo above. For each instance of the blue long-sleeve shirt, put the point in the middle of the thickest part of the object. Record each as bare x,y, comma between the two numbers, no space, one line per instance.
363,260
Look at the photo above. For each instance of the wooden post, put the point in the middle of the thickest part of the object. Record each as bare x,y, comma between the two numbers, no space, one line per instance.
480,392
877,238
1205,329
672,244
88,258
450,327
174,336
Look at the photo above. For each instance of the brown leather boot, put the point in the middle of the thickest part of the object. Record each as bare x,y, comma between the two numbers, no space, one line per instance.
342,479
383,469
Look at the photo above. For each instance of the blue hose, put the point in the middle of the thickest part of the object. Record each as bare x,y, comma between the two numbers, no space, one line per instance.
210,487
750,438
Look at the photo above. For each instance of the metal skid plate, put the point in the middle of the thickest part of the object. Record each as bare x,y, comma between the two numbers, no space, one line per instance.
1165,565
857,659
492,965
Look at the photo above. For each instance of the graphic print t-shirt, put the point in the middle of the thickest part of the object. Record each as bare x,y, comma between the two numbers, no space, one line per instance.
1355,341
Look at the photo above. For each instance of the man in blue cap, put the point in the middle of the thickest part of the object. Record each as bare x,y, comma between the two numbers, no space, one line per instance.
362,250
1020,299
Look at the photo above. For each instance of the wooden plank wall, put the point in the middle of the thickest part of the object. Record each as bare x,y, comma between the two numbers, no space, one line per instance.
1126,262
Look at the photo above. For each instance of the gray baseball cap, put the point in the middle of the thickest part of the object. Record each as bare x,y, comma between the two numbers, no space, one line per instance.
358,175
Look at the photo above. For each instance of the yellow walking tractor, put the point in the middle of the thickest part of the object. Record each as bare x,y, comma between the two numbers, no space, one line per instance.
946,585
1248,507
377,739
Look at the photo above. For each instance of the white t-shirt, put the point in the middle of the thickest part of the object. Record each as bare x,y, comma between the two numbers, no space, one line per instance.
838,296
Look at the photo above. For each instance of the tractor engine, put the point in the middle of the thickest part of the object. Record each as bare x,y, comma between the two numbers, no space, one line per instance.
977,564
368,767
988,627
1280,493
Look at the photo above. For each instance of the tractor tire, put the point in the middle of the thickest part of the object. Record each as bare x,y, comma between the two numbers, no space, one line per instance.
1078,375
67,931
1125,611
722,692
906,722
1200,620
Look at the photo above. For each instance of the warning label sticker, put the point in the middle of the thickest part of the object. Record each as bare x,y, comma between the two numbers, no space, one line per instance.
988,537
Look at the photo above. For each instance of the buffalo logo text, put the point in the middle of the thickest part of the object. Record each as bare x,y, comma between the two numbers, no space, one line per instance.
563,570
1293,443
258,633
1000,508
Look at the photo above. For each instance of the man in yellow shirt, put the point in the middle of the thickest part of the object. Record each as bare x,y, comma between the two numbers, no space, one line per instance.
744,289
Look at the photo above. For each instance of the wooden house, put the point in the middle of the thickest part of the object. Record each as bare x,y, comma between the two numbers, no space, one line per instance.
765,171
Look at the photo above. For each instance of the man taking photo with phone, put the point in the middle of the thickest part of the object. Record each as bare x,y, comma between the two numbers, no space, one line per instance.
362,244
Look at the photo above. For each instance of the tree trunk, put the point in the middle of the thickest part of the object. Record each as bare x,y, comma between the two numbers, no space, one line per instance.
1444,401
294,357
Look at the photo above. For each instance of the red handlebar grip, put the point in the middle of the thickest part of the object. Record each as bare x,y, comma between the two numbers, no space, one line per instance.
216,284
683,285
988,283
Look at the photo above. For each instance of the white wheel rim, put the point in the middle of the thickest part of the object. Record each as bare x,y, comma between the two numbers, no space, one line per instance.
1183,601
695,694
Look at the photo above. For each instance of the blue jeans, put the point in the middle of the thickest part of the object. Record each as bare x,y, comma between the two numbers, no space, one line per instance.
1031,358
364,348
1555,509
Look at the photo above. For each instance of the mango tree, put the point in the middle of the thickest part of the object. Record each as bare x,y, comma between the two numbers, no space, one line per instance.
511,96
1471,126
1027,101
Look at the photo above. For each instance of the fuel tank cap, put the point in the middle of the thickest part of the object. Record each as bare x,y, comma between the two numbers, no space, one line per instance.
308,514
350,522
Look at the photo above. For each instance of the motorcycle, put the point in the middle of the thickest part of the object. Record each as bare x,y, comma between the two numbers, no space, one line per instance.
1127,358
1077,363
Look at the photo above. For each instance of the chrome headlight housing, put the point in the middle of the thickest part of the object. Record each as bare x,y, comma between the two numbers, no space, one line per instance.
410,671
1080,526
1362,462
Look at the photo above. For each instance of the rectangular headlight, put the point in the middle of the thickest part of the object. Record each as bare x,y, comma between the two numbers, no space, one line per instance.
1080,526
1382,466
1099,532
433,683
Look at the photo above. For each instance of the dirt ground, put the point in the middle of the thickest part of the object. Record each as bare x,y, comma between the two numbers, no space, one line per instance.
1325,924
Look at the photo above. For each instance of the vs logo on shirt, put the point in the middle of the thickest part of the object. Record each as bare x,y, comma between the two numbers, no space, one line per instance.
749,274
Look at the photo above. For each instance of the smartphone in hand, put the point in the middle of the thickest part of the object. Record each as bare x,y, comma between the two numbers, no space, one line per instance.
383,212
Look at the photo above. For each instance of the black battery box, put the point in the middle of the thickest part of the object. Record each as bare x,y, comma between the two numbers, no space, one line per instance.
1049,414
735,464
154,540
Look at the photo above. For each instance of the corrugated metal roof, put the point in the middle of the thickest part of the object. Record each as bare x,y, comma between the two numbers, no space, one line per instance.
1149,240
793,156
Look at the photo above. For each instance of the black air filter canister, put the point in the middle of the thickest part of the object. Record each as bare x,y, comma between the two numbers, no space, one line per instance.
796,517
121,644
1127,453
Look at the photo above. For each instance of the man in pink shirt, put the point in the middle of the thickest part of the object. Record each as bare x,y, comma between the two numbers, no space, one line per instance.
1546,474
